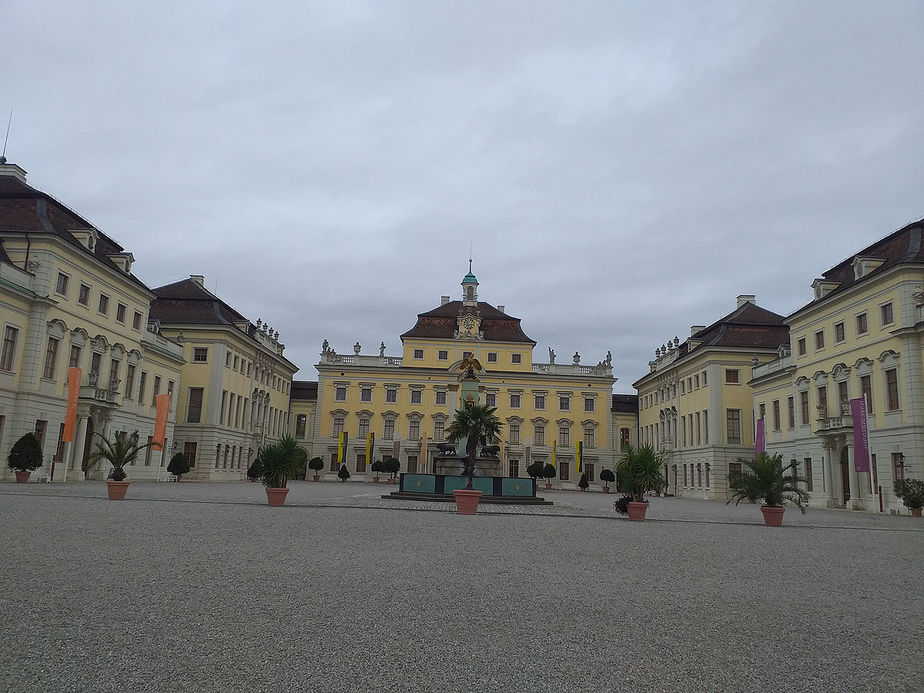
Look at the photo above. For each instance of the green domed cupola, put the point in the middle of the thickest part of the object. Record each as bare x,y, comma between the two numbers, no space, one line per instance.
470,287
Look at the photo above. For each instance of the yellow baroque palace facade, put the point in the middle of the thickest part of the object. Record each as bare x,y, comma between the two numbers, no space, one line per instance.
68,298
862,336
695,405
408,401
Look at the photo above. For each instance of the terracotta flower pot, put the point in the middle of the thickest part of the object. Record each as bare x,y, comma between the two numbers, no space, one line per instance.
606,489
117,489
276,496
466,500
316,478
637,511
916,512
773,515
375,480
252,479
22,477
548,484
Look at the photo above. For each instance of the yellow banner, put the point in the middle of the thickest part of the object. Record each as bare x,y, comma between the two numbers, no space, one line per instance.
341,447
579,454
162,409
553,452
73,394
370,447
423,454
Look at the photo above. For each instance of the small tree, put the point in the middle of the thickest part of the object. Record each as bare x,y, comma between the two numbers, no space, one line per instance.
179,465
376,468
344,473
911,491
548,473
534,470
583,483
607,477
316,464
391,466
26,454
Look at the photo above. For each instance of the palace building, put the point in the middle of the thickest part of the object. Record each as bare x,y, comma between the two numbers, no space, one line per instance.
861,337
408,401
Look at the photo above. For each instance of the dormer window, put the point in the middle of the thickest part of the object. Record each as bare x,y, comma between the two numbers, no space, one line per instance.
823,287
123,260
87,238
864,265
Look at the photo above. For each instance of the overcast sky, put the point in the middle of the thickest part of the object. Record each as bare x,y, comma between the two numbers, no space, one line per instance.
622,170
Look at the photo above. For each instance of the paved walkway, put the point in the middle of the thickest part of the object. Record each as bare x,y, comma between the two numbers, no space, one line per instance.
201,587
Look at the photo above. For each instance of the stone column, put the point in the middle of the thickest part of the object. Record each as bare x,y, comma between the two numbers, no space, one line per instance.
77,447
856,502
826,468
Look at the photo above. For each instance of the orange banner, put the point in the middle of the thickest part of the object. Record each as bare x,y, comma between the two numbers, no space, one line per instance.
73,394
162,409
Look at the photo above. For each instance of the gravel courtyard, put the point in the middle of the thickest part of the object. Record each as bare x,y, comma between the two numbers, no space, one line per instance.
202,587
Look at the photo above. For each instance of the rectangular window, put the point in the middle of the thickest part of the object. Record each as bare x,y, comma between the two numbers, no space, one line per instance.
564,402
839,334
704,378
120,312
333,462
804,406
539,401
439,429
623,438
442,355
129,381
891,377
189,452
733,426
564,473
389,432
10,336
776,415
363,428
819,340
391,395
885,314
418,353
83,295
683,387
224,408
589,470
866,389
360,462
696,381
706,426
514,400
340,393
416,396
589,438
236,361
51,358
441,398
104,304
301,424
822,393
843,397
194,410
228,359
514,430
141,383
412,464
862,325
200,354
898,466
698,430
539,434
790,412
62,283
490,399
686,481
365,394
800,346
734,468
683,431
516,358
156,391
492,357
589,404
732,376
564,436
136,320
338,425
514,468
809,484
413,430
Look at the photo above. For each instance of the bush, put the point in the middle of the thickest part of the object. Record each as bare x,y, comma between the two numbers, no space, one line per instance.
535,470
911,491
583,482
607,476
377,467
316,464
392,466
548,472
178,464
344,473
621,505
26,454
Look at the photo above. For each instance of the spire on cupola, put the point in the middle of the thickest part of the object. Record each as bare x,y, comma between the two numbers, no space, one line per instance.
470,287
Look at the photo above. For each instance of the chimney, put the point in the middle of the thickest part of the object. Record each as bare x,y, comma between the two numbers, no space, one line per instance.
444,300
198,278
501,308
696,328
12,170
746,298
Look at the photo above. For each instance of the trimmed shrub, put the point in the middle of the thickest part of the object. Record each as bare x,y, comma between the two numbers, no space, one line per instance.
179,465
344,473
26,455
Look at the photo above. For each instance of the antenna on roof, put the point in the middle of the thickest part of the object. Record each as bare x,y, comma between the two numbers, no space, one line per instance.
470,255
7,138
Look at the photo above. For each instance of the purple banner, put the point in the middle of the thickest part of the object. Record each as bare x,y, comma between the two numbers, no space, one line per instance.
860,435
760,444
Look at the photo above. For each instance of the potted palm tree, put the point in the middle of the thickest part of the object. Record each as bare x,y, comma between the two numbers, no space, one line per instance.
766,479
607,477
178,466
279,462
911,491
25,457
638,472
122,450
473,423
316,464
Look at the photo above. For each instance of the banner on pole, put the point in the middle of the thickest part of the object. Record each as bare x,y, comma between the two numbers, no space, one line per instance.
860,435
759,442
341,448
161,411
73,394
579,454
